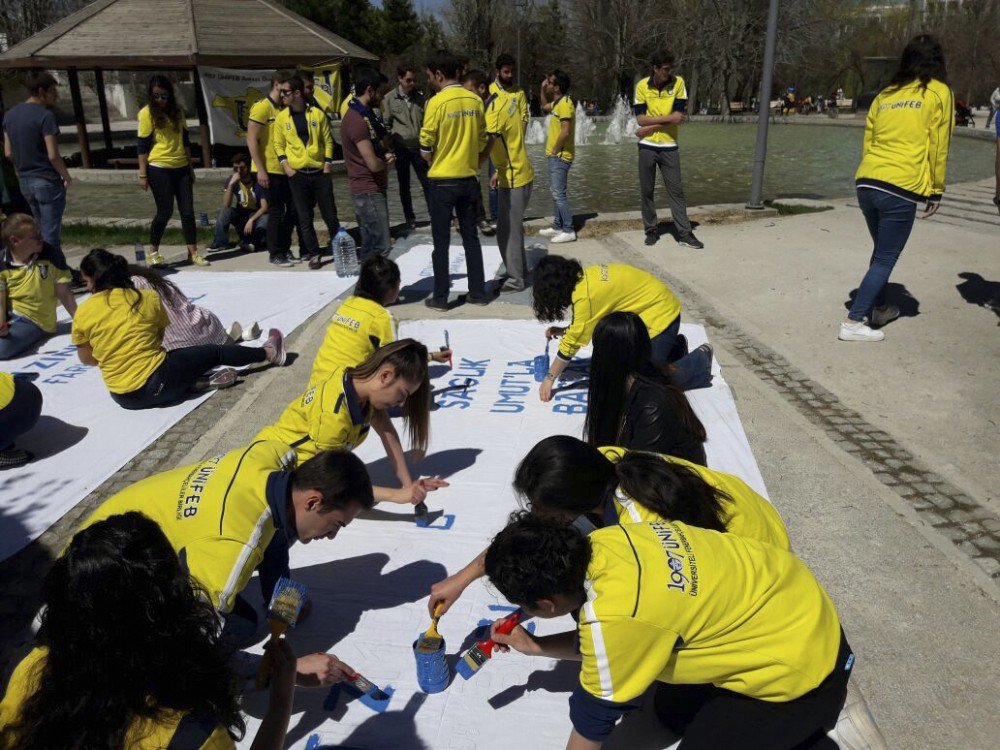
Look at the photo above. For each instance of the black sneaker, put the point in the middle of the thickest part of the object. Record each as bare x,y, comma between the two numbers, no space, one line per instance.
478,301
436,304
13,458
689,240
651,239
280,259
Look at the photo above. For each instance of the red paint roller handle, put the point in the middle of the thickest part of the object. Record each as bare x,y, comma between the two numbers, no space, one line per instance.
506,625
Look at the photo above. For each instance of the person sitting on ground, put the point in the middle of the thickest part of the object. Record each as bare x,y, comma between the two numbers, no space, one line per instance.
742,642
120,329
337,413
586,487
29,288
190,324
239,513
249,216
633,403
362,323
157,673
20,407
560,283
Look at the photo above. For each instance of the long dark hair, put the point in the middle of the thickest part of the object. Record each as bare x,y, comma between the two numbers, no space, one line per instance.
379,276
562,473
163,286
109,271
129,637
408,358
553,281
621,349
168,114
922,59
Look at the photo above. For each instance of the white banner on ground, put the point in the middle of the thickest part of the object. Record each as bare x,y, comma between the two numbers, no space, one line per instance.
369,587
83,437
417,270
229,95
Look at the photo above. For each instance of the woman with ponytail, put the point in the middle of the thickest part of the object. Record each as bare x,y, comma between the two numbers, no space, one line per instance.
339,411
120,329
565,479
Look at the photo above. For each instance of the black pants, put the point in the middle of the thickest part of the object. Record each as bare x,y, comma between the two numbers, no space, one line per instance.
310,189
708,717
406,158
179,371
169,185
456,197
21,414
280,214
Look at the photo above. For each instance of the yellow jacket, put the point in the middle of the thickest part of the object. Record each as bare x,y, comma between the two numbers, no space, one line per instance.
907,135
290,147
357,329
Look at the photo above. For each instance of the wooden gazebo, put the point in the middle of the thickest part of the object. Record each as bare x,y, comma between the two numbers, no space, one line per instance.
175,35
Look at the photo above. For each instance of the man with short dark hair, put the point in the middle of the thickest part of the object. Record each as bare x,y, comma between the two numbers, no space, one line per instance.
31,142
660,105
249,216
364,138
503,87
403,112
560,149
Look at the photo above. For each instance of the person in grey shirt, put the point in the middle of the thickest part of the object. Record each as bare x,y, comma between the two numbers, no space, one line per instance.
31,143
403,114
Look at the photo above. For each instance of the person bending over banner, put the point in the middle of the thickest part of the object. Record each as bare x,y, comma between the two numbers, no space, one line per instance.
586,487
742,640
362,324
120,329
338,412
560,283
238,512
157,674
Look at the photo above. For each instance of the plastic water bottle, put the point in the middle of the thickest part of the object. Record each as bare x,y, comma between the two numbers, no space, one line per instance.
345,254
140,254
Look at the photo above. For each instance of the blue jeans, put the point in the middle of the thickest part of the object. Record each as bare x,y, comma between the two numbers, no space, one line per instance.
47,199
691,371
237,219
22,335
372,212
562,216
890,220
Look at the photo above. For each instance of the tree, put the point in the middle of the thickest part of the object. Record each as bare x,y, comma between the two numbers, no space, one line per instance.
355,20
19,19
400,26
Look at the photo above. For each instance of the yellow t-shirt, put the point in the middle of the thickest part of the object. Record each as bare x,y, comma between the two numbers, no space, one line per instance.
515,93
126,341
509,155
300,154
356,330
327,416
167,147
707,608
748,514
31,291
6,389
616,287
263,113
655,102
563,110
454,130
144,734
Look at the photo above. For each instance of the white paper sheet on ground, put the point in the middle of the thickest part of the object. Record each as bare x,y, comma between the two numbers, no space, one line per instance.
369,586
417,272
83,437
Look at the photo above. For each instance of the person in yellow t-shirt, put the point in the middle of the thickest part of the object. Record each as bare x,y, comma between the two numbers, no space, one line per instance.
559,152
120,329
30,287
338,413
20,407
742,642
165,166
158,674
504,87
244,208
453,141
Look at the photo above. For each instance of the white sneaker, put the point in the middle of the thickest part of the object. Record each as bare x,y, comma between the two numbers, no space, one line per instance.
236,332
549,232
856,728
564,237
252,333
882,315
859,332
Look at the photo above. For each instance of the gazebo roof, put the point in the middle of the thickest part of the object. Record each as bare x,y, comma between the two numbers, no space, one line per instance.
133,34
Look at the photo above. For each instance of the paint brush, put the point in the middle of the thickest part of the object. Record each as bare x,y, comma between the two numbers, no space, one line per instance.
431,641
371,694
472,660
447,345
282,614
421,514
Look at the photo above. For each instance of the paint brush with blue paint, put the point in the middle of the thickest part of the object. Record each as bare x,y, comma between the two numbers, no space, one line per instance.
541,364
472,660
370,694
447,347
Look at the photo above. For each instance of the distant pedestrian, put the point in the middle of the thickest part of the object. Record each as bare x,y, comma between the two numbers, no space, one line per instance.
559,151
403,114
31,142
994,106
165,167
903,162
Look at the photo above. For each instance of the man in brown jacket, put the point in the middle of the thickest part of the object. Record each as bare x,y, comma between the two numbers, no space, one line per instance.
403,114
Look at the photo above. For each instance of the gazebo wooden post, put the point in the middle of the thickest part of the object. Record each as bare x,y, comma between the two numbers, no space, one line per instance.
102,102
206,141
81,123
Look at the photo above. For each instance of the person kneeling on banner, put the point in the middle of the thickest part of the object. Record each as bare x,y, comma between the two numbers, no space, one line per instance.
743,643
121,329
